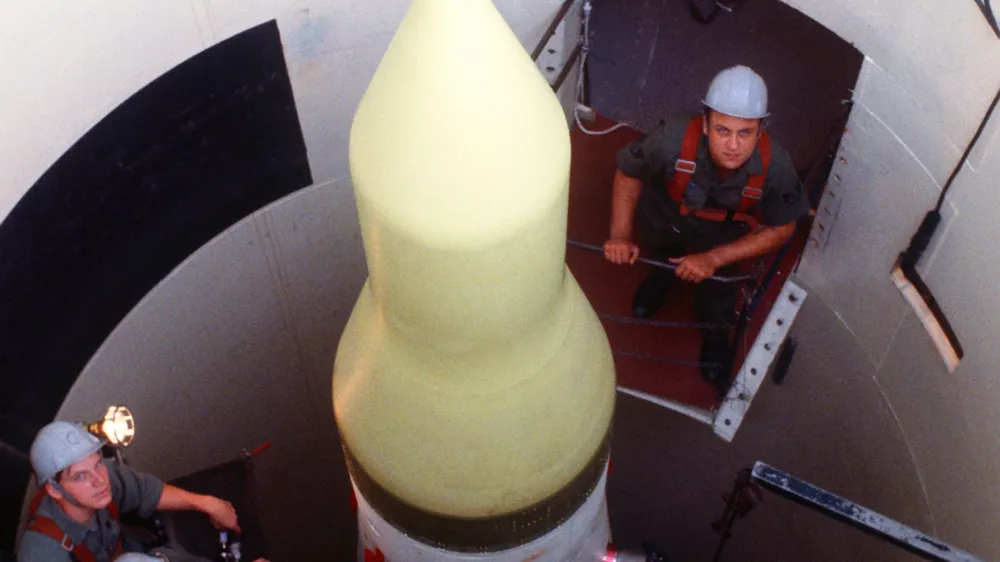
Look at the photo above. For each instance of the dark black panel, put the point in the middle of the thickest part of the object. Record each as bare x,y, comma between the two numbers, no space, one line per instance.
14,473
183,159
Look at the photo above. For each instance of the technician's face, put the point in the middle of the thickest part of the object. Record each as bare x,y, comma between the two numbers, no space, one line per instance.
87,481
731,140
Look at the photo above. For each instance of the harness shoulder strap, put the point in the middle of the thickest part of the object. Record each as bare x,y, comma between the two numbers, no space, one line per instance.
113,510
685,166
48,527
754,189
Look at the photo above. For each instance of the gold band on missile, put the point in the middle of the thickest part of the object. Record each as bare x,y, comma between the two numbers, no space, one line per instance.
487,534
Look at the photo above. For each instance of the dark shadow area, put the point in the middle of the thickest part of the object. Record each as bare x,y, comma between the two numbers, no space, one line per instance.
179,162
234,482
652,59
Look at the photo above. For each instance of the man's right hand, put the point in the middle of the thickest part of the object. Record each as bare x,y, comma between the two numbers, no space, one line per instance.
621,251
221,513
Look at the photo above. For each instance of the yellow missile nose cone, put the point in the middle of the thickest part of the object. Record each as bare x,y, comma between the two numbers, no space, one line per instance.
458,137
473,378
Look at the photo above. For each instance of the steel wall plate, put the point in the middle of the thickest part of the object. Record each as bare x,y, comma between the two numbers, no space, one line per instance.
758,361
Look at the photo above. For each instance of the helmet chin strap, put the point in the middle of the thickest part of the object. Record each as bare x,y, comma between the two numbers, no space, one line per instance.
65,493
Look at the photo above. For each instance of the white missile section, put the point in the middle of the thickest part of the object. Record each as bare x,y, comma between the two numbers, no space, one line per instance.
583,537
474,385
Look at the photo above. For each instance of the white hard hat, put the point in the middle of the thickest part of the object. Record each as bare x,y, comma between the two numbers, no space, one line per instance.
58,445
136,557
740,92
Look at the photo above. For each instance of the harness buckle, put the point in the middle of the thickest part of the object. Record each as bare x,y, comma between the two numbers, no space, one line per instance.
66,543
751,192
686,166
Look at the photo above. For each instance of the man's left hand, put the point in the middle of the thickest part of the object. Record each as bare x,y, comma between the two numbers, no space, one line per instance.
695,267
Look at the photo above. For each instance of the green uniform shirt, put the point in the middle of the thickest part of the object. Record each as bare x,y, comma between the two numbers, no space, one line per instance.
131,490
652,159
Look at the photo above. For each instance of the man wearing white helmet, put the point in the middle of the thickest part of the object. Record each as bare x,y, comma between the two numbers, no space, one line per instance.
75,515
694,188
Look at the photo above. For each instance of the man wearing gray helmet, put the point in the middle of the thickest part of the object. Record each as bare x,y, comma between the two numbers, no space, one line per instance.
692,188
75,515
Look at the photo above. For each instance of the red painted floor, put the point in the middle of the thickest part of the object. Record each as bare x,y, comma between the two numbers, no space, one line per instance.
610,287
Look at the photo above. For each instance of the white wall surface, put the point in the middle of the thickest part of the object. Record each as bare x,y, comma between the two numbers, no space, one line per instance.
236,346
930,71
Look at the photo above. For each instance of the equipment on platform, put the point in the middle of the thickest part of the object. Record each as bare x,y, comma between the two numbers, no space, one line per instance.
741,500
705,11
231,550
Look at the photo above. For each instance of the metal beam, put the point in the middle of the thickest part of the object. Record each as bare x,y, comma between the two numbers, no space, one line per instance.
859,517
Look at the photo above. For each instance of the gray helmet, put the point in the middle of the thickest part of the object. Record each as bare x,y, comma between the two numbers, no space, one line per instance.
740,92
58,445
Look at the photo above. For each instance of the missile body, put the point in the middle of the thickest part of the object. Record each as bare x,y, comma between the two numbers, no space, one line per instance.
473,385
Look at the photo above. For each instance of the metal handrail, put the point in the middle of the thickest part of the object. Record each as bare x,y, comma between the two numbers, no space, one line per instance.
670,266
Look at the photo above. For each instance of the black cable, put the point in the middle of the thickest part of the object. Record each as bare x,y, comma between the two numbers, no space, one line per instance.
987,9
925,232
968,150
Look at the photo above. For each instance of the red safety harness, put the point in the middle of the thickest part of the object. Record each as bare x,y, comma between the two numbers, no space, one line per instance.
48,527
685,168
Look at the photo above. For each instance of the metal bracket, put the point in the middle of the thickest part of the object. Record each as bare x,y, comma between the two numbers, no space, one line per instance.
758,361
